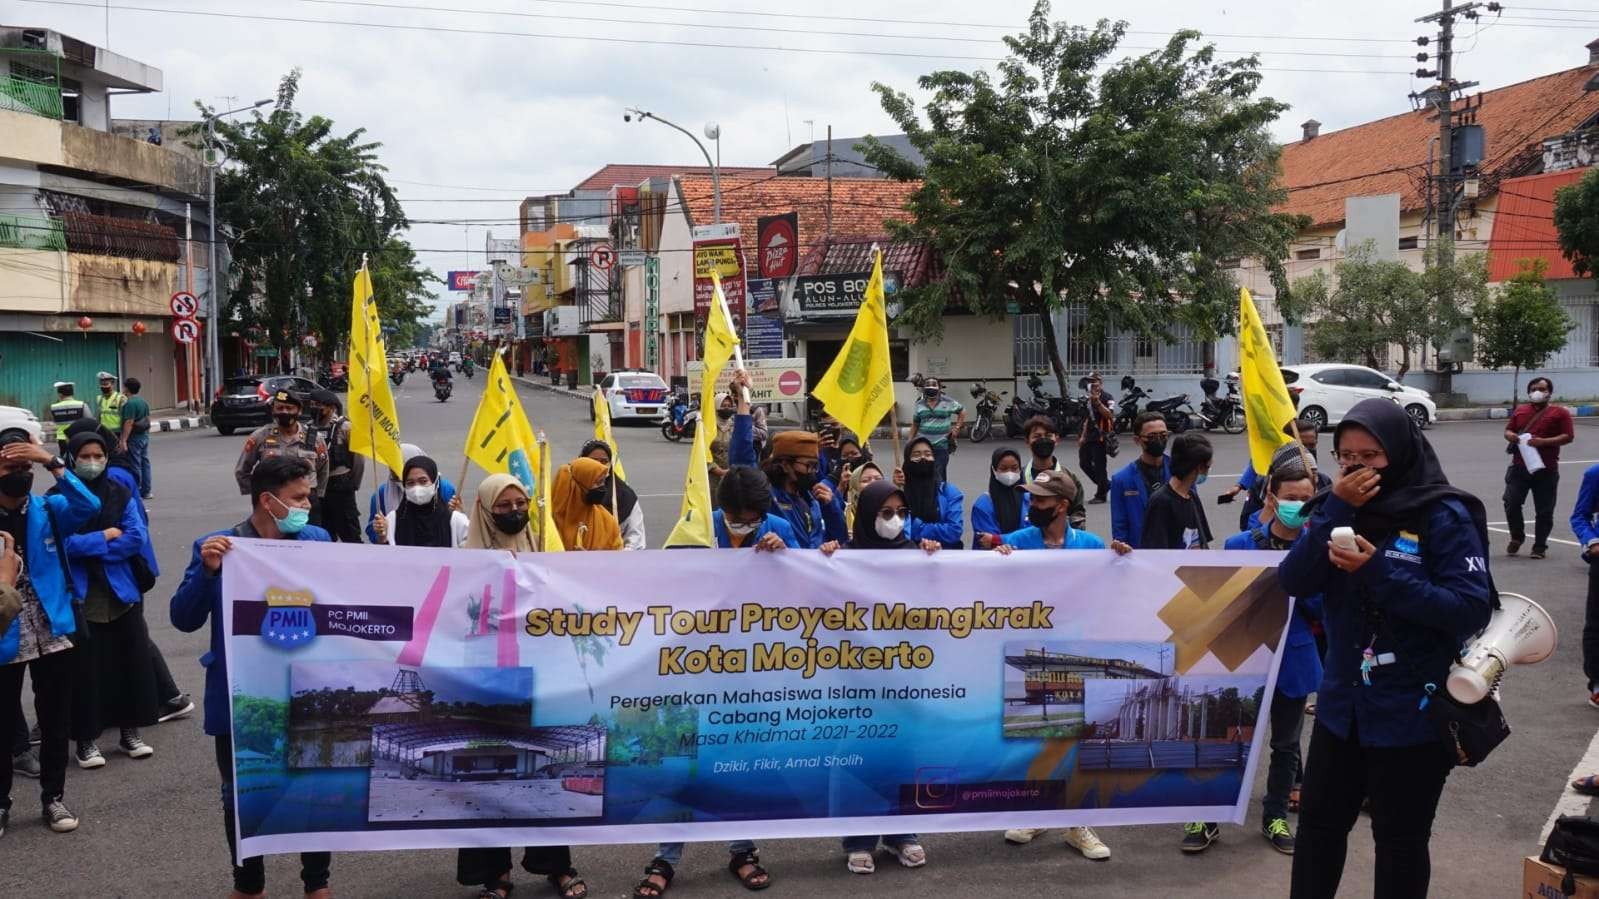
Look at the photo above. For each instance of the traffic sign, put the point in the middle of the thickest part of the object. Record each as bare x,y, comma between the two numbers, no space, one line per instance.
184,304
603,257
185,330
630,258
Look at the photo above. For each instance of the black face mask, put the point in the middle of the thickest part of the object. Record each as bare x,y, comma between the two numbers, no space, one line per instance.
724,413
1042,448
1041,518
805,480
1155,446
919,469
284,419
597,496
510,523
17,484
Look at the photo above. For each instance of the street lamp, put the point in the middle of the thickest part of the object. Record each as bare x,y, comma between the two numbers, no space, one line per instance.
713,131
213,352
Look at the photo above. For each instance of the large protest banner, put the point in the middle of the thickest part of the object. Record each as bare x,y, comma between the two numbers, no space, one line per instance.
388,698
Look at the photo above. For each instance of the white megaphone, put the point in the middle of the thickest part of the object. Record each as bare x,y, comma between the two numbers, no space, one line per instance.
1519,633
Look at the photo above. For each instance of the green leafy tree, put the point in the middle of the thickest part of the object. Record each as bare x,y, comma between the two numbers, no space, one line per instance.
1577,223
1069,178
307,205
1521,326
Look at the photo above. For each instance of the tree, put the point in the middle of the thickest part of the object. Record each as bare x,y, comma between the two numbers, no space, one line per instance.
1522,325
1066,178
1577,223
307,205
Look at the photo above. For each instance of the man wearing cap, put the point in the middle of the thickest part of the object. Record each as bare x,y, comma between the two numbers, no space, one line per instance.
339,515
794,468
111,402
66,410
286,436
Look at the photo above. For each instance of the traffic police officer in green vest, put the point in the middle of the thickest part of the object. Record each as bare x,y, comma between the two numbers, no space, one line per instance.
111,402
66,410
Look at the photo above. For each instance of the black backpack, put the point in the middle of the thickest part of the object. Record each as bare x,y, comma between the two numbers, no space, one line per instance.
1573,845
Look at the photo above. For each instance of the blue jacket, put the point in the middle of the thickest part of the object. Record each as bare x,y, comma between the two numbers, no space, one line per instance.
198,598
741,445
114,555
377,507
1032,538
772,525
827,522
948,532
1128,499
1582,517
983,520
127,479
1300,671
1433,591
71,505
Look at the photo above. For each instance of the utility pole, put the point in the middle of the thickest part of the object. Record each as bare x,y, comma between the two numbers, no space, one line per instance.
829,183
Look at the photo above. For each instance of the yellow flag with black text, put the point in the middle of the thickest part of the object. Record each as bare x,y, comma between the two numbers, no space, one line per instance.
693,526
374,426
602,430
1267,406
720,340
501,440
858,388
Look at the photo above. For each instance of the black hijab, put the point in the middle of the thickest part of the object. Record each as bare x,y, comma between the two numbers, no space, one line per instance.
921,494
427,525
1007,500
114,497
626,499
1413,481
867,506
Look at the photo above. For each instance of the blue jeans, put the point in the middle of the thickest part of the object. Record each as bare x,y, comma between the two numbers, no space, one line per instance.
868,844
139,449
672,853
941,462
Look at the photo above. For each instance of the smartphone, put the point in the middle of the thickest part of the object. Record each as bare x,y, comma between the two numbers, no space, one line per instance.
1225,498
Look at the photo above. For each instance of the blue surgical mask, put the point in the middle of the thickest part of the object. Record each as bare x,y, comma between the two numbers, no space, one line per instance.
1202,479
1291,512
294,521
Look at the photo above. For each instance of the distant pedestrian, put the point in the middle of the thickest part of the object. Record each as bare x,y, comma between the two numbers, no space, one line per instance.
340,516
1092,453
135,437
111,402
66,410
1546,427
939,417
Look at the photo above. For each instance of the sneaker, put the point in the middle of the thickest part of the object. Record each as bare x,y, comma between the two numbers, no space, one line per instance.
179,706
33,736
1021,836
133,747
1593,698
1096,501
1278,835
1513,547
25,764
60,819
1198,835
1085,841
1537,553
89,756
5,818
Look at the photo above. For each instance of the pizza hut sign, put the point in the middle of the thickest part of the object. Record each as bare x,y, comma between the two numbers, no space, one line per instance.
778,245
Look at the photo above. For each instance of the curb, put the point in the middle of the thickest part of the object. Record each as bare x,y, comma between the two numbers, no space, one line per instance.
547,387
181,424
1500,412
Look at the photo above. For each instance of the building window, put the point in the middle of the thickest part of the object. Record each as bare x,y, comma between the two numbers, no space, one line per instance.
1308,254
1408,243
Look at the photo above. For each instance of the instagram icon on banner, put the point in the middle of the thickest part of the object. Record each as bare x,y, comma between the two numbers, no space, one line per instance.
935,787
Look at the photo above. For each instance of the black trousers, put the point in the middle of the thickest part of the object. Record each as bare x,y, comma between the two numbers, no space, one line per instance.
52,703
1091,457
19,730
249,875
1590,628
484,867
165,687
1542,486
1403,783
341,518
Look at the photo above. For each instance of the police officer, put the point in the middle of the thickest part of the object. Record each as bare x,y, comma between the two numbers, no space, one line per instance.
286,436
340,517
111,402
66,410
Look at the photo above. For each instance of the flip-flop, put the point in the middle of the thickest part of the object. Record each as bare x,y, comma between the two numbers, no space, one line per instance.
1588,786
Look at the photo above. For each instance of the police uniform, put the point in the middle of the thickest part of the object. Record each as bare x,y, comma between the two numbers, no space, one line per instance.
269,441
64,412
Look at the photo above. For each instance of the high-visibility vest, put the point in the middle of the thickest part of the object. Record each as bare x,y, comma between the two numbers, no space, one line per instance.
111,410
66,411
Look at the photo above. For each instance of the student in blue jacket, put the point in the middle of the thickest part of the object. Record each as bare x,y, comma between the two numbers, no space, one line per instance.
1130,488
1397,610
39,638
744,518
936,506
793,468
1004,507
1583,525
280,507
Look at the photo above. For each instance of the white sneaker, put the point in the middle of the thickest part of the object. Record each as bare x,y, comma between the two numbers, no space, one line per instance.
1021,836
1083,840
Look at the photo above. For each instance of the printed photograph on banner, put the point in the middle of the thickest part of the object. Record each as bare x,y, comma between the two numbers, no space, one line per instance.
1193,721
1044,681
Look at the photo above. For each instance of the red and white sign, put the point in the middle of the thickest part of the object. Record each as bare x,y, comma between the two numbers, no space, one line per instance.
602,257
184,304
185,330
726,258
463,280
790,383
778,246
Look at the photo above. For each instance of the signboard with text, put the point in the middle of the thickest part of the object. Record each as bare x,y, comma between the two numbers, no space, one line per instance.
763,329
771,380
836,295
721,251
778,245
462,280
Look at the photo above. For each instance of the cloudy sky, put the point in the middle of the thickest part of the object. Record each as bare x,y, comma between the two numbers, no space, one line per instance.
480,102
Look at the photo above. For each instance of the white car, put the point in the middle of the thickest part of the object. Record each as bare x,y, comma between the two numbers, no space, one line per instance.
635,394
455,358
1328,391
15,418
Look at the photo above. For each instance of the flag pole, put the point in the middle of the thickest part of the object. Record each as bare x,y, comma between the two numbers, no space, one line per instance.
893,408
738,345
366,344
541,488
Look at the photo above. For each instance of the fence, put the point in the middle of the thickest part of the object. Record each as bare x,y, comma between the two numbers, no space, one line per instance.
1117,351
23,95
26,232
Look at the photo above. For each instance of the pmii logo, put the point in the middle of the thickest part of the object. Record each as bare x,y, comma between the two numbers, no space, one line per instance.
289,622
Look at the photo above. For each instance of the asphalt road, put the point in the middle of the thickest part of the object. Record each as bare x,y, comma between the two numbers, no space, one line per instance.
153,828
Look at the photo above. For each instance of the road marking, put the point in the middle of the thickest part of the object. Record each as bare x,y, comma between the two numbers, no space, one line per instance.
1578,461
659,495
1572,802
1500,530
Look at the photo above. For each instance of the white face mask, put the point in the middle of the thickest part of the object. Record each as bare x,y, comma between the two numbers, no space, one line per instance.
1538,396
741,530
1008,478
889,528
421,494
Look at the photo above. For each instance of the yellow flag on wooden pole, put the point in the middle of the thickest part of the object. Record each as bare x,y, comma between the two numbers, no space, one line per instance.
721,344
374,426
693,526
858,388
1267,406
602,431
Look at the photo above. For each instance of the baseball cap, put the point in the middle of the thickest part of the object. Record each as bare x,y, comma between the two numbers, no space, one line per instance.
1053,483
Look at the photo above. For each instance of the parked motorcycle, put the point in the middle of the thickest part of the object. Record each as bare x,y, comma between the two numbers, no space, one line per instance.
683,416
1021,410
1175,409
987,404
1225,412
1127,409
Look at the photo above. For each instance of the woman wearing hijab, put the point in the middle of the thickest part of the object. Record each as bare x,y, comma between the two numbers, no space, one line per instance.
114,682
387,498
423,518
719,464
501,519
1397,608
582,508
620,496
935,505
1003,508
862,477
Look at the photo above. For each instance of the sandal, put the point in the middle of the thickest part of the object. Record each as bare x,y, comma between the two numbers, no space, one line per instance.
1588,786
572,887
657,868
757,878
911,855
860,863
498,890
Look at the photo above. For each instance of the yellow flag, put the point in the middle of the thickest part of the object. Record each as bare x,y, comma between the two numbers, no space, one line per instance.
693,526
501,440
602,431
858,388
1267,406
374,426
719,343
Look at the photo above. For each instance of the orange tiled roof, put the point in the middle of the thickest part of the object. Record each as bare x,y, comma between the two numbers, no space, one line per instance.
861,206
1524,225
629,175
1390,155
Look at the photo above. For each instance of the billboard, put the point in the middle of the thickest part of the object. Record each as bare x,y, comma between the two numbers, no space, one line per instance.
771,380
718,248
778,245
462,280
836,295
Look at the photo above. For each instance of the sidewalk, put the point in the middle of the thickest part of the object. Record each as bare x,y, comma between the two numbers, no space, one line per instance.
581,394
1486,413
